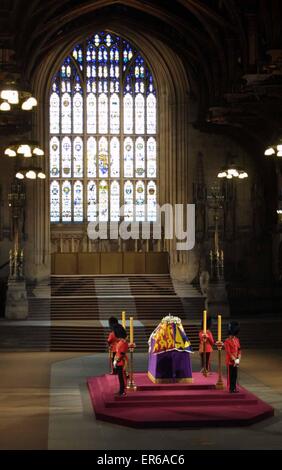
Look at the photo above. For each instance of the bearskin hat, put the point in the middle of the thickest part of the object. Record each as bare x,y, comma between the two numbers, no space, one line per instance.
119,331
233,328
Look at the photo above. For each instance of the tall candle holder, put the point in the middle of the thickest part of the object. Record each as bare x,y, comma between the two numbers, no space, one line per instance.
219,384
205,370
131,387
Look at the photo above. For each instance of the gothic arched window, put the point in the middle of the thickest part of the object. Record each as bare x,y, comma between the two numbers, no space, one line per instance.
103,134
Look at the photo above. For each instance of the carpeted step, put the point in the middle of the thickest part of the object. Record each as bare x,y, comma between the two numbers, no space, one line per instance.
184,402
224,409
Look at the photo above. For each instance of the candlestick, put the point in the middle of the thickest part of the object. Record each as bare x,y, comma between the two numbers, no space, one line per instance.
219,384
205,322
131,387
131,330
219,328
205,370
123,320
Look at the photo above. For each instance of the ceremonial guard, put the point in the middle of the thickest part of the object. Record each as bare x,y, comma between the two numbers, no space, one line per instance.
233,355
208,339
120,359
112,341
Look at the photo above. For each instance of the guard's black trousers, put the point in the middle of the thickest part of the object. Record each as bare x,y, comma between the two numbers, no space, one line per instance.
232,376
207,364
122,378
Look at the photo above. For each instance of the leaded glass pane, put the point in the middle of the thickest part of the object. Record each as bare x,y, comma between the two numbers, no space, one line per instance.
103,201
103,157
139,114
77,157
66,202
103,113
54,113
151,158
128,157
91,201
114,114
55,201
128,201
151,201
78,202
54,157
66,113
115,202
140,201
151,114
115,157
77,113
91,157
91,113
139,158
66,157
128,114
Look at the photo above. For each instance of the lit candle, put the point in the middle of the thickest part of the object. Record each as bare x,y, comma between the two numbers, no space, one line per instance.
205,322
131,330
123,320
219,328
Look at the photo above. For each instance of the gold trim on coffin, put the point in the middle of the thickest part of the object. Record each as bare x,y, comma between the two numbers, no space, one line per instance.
169,381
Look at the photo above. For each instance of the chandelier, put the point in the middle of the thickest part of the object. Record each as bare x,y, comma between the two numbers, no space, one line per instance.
274,150
30,173
232,170
14,93
25,148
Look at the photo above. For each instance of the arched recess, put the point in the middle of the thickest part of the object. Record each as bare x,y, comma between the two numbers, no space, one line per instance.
173,101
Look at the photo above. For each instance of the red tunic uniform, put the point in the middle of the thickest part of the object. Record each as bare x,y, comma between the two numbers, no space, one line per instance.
121,359
232,349
121,350
112,342
209,342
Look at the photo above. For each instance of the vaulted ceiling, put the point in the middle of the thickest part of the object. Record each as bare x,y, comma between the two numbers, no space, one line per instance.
219,42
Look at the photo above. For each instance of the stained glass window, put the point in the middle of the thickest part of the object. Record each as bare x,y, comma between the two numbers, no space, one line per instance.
103,134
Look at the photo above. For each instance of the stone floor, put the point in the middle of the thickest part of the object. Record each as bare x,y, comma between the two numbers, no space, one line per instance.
44,404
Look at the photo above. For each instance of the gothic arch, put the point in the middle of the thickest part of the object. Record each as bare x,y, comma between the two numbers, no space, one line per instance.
173,95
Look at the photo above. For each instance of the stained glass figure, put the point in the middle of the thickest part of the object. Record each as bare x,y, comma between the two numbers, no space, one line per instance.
78,202
151,158
128,157
91,157
114,157
91,201
54,157
66,202
78,157
151,201
140,201
55,211
115,202
54,112
77,113
139,158
128,199
66,157
103,157
66,113
103,201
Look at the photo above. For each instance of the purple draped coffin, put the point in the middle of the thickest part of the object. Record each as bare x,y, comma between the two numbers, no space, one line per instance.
171,366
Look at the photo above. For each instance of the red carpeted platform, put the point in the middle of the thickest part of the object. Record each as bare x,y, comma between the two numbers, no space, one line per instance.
175,405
